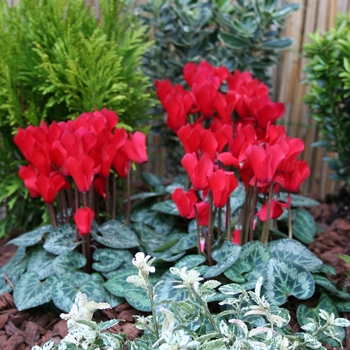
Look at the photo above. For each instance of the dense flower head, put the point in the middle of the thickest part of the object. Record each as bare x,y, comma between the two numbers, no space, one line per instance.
82,149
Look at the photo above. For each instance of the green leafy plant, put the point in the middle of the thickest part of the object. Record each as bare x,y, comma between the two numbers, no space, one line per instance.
328,73
57,60
244,35
247,320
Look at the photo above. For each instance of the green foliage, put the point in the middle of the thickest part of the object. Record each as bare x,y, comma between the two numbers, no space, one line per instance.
328,73
57,60
244,35
247,321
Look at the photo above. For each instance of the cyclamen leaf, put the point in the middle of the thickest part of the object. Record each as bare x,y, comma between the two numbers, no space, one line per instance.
30,238
284,279
40,262
30,291
61,240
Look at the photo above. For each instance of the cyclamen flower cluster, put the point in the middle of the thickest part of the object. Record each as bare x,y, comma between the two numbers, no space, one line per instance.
84,150
240,135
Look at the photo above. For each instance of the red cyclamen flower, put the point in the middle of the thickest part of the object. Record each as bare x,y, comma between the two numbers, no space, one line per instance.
48,186
83,219
185,201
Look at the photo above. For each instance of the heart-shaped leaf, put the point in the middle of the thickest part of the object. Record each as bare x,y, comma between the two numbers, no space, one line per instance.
30,238
225,256
284,278
167,207
30,291
304,227
330,286
61,240
190,261
255,253
137,298
150,239
117,285
114,234
293,251
236,271
40,262
108,259
188,241
66,265
65,291
298,201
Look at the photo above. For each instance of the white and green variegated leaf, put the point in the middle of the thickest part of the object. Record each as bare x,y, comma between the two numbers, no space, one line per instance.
225,256
114,234
237,198
217,344
304,313
166,207
14,269
107,259
255,253
40,262
30,291
61,240
30,238
137,298
284,278
231,289
162,223
188,310
66,265
190,261
236,271
117,285
65,291
107,324
293,251
304,227
298,201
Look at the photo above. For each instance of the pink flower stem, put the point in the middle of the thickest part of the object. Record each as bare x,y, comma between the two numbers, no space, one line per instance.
252,211
246,211
128,186
266,229
290,225
76,206
228,220
114,197
197,231
52,215
108,207
219,223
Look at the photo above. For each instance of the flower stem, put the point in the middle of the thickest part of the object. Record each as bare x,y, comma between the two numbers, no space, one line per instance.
114,197
266,229
228,220
52,215
128,185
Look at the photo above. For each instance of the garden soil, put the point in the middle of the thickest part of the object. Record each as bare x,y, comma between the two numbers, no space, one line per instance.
20,330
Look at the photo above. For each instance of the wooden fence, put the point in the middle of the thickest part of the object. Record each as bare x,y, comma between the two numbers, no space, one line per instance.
288,88
313,15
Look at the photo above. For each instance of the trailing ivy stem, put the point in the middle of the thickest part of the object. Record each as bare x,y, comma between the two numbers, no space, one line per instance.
114,197
228,220
266,229
52,215
108,207
128,189
206,310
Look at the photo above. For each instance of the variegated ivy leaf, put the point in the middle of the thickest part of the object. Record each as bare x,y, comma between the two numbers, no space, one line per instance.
61,240
30,291
284,279
114,234
30,238
293,251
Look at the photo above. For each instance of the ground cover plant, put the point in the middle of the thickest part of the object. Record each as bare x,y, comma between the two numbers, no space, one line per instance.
233,218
